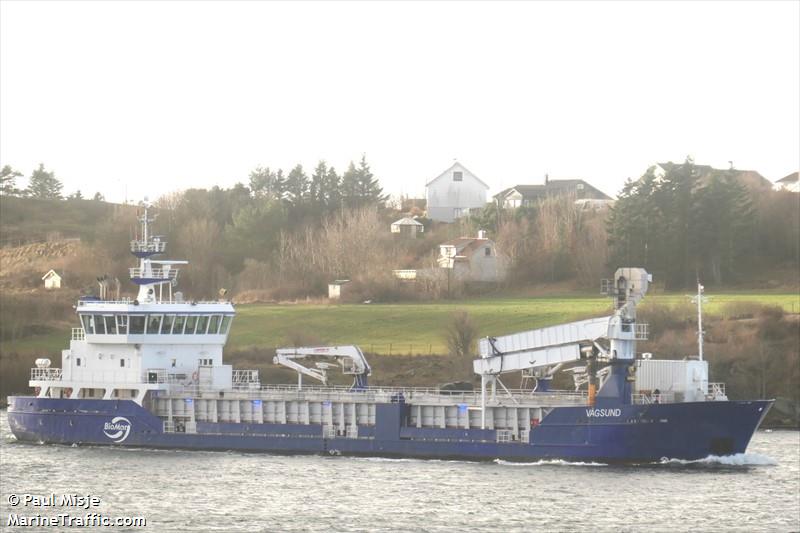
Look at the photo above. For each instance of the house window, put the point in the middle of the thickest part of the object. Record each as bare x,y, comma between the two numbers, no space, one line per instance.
458,176
78,361
122,363
459,212
579,186
487,251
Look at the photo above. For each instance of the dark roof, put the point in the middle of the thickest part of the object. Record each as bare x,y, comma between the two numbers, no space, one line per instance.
752,179
791,178
554,188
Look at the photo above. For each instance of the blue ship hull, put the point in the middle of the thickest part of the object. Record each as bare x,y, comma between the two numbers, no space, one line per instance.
614,434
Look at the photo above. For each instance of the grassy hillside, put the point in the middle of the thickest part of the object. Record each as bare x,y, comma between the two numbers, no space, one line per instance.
406,328
30,219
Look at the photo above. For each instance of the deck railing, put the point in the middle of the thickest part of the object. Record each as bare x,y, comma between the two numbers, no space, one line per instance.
381,394
716,390
651,398
153,273
45,374
150,247
129,301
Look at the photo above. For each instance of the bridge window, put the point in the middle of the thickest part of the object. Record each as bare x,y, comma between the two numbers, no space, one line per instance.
213,324
111,324
99,325
177,329
122,324
166,325
226,322
137,324
191,322
88,324
153,323
202,324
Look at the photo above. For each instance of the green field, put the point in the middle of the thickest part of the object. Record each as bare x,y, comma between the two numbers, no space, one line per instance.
415,328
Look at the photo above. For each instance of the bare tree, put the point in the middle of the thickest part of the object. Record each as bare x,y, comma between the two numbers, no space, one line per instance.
461,334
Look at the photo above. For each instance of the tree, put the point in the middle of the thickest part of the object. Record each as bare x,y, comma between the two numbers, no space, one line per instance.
349,186
75,196
461,334
297,186
368,188
265,183
317,192
333,189
98,197
8,180
685,224
360,187
44,184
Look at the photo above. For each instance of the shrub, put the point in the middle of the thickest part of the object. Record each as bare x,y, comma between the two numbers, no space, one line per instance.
461,334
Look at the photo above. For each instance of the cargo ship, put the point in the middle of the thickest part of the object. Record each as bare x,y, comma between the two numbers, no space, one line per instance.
149,372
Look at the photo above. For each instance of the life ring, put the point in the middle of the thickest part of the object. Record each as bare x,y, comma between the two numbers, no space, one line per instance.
68,392
194,376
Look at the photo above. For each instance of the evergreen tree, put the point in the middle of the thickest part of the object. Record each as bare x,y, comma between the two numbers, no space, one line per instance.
683,225
297,186
44,184
8,180
333,189
278,185
76,195
98,197
258,181
360,187
265,183
349,186
317,192
368,188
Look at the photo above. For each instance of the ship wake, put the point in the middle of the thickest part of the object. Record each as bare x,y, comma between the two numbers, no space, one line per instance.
739,459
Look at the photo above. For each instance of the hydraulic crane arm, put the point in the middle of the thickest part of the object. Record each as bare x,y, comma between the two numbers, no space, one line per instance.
350,358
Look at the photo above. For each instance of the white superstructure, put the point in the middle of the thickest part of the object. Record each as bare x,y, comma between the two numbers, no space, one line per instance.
126,347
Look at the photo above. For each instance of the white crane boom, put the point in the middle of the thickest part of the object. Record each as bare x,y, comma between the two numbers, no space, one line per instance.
350,358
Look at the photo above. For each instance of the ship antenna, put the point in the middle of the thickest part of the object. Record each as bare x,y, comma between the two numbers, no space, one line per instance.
700,299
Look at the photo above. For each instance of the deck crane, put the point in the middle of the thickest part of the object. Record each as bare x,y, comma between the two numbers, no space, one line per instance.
540,352
351,359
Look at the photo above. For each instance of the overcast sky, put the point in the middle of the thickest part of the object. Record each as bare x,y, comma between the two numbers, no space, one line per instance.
157,96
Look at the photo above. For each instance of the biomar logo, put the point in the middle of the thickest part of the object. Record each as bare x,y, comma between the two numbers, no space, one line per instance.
118,429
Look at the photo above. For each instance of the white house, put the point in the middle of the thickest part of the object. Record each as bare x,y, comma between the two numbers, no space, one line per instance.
407,227
52,280
473,259
337,289
453,193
